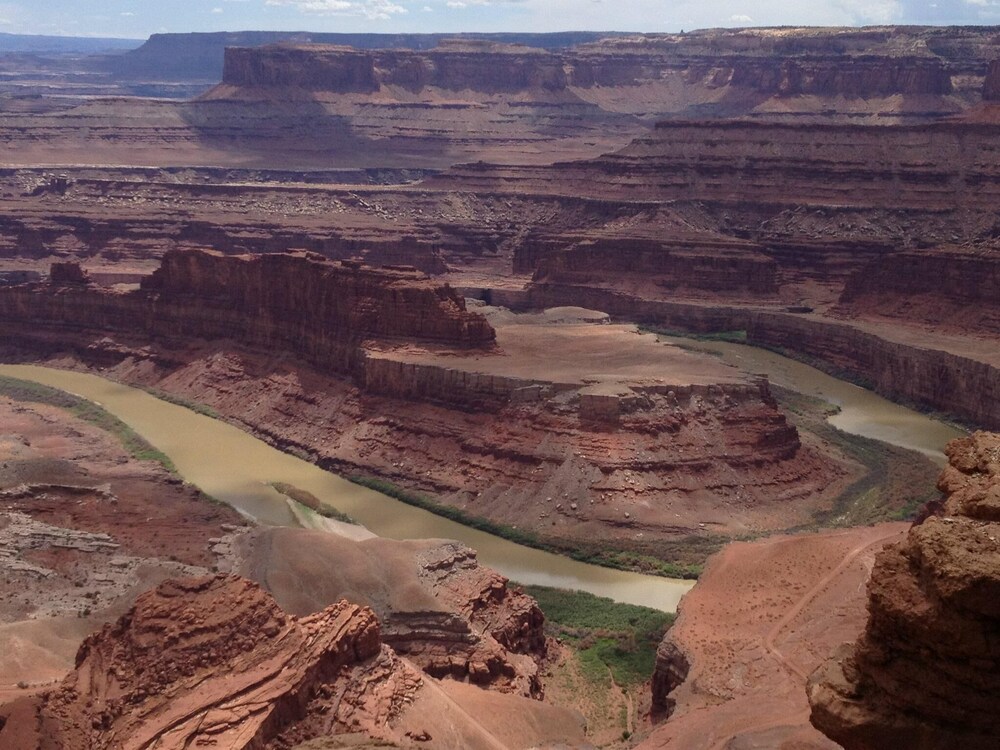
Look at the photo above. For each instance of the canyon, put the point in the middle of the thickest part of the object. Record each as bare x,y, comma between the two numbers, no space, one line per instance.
437,264
381,372
87,528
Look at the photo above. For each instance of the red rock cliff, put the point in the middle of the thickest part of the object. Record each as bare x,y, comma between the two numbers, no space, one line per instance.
945,287
214,661
299,303
926,672
456,66
869,66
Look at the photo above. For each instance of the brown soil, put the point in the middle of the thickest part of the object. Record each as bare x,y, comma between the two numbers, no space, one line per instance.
761,618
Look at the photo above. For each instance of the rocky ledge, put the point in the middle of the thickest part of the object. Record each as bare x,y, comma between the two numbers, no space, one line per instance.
214,661
925,672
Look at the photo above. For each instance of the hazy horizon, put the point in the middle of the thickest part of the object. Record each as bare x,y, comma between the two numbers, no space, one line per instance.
135,19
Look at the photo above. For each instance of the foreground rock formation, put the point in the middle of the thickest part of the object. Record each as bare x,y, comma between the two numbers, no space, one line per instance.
215,661
442,610
924,672
84,528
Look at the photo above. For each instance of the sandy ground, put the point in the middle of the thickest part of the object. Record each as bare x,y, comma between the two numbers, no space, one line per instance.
762,617
575,346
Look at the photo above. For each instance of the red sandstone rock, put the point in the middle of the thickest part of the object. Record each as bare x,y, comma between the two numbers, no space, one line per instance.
214,660
438,607
947,288
924,673
300,303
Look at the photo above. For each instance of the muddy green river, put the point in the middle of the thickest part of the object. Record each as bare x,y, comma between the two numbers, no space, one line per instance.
862,412
237,468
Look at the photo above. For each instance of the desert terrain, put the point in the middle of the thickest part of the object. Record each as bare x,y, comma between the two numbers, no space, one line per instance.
459,270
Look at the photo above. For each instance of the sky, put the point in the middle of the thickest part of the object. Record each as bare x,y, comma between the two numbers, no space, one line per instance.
140,18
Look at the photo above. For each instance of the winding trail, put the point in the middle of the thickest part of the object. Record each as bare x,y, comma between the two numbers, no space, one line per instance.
799,717
808,598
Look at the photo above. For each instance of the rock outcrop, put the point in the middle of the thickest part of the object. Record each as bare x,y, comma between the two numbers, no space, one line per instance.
757,62
691,266
299,302
942,372
455,66
991,88
925,672
202,57
215,661
442,610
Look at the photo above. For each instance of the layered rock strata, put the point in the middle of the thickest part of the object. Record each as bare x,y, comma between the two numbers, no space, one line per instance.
991,87
762,62
948,288
215,661
299,303
649,440
948,374
924,673
448,615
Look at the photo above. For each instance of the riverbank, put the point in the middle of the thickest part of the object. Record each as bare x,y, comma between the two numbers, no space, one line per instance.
237,468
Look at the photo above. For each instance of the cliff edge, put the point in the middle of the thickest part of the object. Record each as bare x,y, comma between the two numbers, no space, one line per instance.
925,672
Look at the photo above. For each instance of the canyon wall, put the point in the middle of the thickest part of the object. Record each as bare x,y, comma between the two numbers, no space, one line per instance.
935,167
991,88
341,70
481,66
964,385
298,303
202,56
947,288
924,673
761,62
697,264
654,452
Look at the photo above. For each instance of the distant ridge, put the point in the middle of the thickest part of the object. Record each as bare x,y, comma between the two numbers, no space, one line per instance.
200,56
64,44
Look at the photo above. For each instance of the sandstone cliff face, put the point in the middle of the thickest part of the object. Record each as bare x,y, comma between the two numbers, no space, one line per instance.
341,70
758,65
991,88
215,661
299,303
948,288
856,76
925,672
345,301
960,384
438,607
697,264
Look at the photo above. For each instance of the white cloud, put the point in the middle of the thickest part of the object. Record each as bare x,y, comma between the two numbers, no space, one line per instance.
741,18
373,10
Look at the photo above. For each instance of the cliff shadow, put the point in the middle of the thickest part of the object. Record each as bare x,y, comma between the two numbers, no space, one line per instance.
294,132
